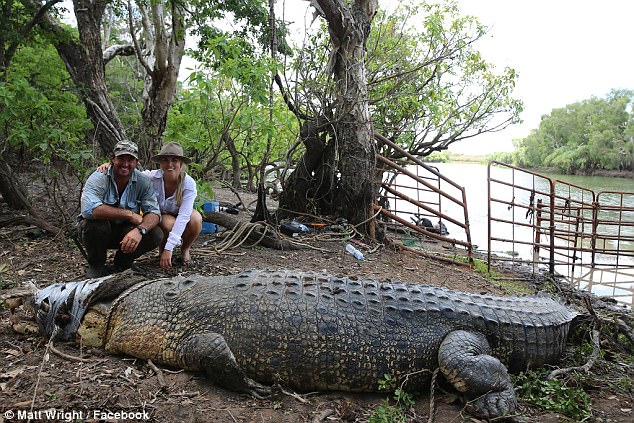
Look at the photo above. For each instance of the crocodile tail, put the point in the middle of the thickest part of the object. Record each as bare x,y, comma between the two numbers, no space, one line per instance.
533,334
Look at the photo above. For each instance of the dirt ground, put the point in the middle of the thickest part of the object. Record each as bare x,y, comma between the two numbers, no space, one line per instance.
89,385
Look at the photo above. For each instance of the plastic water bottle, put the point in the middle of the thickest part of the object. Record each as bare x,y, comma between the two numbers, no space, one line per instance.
300,226
350,249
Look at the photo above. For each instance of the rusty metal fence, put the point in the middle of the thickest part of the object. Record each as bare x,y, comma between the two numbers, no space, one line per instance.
412,195
585,236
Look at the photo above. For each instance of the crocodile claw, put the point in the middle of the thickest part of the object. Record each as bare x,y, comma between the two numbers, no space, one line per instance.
493,404
256,390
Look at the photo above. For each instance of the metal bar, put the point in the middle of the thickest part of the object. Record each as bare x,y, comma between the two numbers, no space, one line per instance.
414,159
418,228
416,178
423,206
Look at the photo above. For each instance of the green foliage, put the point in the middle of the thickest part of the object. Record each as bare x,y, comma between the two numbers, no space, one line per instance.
238,63
437,157
623,384
480,266
205,191
592,134
50,396
627,344
249,23
124,80
386,413
231,103
392,410
429,87
41,115
504,157
553,395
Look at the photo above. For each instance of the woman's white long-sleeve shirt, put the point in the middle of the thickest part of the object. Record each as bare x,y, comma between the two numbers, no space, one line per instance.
168,205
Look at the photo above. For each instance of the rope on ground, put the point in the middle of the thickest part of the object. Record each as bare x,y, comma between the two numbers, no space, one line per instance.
369,218
45,359
241,232
323,219
432,396
305,244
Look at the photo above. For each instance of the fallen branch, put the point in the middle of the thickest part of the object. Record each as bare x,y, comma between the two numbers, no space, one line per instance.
292,395
158,372
68,356
28,220
236,193
324,415
596,349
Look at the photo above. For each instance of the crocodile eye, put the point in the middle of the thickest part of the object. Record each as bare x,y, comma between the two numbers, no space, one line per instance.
187,283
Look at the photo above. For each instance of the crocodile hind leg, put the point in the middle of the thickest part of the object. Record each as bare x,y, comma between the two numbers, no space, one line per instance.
465,361
210,352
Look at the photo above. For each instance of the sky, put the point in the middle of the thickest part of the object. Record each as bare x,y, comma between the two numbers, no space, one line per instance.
565,51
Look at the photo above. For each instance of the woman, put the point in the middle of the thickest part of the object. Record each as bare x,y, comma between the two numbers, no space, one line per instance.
176,192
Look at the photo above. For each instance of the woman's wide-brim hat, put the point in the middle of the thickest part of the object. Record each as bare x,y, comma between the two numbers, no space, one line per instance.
171,149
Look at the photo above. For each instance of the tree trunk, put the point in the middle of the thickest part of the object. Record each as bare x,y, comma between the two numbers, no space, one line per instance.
309,188
161,57
336,174
11,190
235,160
84,62
355,192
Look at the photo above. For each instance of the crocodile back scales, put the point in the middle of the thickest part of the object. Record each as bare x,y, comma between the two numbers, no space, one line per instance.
315,331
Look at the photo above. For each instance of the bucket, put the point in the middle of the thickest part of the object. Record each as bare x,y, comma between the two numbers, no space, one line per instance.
208,227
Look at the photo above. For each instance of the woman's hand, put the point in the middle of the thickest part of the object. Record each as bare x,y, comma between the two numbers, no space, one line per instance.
166,259
103,168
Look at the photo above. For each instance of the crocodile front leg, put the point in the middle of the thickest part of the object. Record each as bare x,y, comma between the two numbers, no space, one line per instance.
210,352
465,361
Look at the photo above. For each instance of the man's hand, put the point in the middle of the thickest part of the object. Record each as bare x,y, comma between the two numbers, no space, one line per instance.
103,168
131,240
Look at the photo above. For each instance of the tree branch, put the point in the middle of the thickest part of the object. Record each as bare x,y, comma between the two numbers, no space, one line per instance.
135,42
117,50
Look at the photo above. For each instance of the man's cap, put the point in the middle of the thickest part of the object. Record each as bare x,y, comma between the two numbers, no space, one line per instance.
126,147
172,149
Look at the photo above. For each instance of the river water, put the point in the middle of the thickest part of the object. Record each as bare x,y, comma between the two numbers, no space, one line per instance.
474,178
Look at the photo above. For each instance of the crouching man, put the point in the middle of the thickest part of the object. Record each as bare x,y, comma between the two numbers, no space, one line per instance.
119,210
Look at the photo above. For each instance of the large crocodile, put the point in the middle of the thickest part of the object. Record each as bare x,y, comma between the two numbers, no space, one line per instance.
318,332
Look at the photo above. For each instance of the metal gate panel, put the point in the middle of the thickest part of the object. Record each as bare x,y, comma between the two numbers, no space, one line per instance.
411,190
586,237
520,208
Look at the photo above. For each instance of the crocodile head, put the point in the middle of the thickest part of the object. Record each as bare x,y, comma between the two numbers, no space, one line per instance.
60,308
